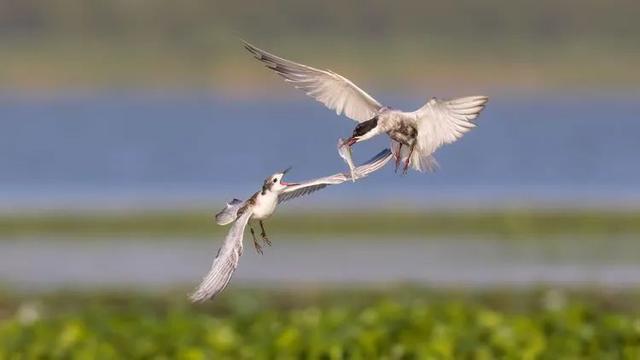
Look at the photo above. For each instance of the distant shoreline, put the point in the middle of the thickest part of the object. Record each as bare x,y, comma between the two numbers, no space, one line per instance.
77,67
507,224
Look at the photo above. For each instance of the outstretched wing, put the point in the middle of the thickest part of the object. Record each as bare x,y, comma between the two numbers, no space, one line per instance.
225,263
334,91
442,122
361,171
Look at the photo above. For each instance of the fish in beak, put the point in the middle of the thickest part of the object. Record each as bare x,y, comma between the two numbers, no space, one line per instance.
350,141
345,154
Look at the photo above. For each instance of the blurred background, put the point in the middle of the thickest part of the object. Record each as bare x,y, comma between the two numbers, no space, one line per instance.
125,125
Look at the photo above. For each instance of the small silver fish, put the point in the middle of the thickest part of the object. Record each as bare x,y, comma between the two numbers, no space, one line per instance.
345,154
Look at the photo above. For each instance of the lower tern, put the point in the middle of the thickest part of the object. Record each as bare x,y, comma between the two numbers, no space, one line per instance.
260,206
415,135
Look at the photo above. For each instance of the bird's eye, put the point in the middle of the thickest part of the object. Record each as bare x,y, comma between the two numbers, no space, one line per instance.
275,180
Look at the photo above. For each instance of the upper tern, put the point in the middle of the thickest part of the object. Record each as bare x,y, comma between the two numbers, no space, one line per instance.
259,207
415,135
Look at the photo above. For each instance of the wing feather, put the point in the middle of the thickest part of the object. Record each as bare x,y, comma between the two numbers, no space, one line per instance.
333,90
300,192
361,171
225,263
442,122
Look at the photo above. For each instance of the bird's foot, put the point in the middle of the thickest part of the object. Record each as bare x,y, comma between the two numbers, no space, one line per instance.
257,246
265,239
255,240
398,155
263,234
407,161
406,167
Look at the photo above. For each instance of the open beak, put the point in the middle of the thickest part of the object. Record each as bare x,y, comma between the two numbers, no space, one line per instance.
284,172
350,141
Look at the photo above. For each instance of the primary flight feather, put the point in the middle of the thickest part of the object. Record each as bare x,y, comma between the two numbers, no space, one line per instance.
259,207
415,135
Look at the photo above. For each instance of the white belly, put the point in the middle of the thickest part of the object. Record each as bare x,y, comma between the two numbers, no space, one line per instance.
265,206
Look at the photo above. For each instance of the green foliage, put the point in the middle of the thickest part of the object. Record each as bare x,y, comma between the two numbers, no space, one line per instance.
351,324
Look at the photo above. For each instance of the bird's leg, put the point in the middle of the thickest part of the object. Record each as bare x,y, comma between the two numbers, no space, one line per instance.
255,240
264,234
406,163
398,156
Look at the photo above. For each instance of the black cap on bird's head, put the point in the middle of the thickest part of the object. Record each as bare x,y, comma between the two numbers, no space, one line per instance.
363,131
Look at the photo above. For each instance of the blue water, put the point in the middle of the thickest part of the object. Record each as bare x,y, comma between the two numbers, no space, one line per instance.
130,148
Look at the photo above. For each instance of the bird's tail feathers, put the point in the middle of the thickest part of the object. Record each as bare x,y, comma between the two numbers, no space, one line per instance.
424,163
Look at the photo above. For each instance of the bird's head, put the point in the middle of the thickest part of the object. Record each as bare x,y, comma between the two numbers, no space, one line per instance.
274,182
364,131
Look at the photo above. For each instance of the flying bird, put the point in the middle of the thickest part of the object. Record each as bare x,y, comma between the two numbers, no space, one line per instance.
260,206
415,135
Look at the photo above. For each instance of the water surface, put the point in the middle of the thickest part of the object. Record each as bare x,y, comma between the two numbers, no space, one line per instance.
143,263
193,148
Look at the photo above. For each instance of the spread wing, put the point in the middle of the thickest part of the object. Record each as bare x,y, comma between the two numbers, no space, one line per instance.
334,91
361,171
442,122
225,263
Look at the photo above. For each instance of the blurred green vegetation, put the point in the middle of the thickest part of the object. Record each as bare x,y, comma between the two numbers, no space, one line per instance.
395,323
508,224
195,43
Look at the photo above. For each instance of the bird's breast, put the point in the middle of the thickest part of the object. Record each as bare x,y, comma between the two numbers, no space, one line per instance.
265,206
403,132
